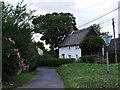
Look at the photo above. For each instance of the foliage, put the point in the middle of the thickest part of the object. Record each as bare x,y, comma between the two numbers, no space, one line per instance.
112,57
54,53
104,33
15,19
97,28
10,60
92,45
53,27
82,75
88,58
55,61
16,25
39,45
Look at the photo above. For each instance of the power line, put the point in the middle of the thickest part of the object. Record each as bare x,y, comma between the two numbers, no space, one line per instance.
105,22
91,6
99,17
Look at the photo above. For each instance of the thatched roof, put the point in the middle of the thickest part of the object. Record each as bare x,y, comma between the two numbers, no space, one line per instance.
78,36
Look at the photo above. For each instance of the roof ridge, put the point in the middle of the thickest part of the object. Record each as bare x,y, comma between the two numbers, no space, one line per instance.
81,30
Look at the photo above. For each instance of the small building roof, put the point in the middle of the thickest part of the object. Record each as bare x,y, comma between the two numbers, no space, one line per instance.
77,37
112,46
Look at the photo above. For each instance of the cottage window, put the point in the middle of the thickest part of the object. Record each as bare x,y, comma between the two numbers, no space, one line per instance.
76,56
69,56
62,55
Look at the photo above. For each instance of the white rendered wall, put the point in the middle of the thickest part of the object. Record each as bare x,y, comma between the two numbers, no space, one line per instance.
74,51
119,19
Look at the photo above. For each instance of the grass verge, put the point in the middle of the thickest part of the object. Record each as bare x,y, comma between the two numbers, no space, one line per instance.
81,75
19,80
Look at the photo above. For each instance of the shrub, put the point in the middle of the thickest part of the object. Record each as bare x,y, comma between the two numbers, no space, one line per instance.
112,57
9,60
55,61
88,58
12,62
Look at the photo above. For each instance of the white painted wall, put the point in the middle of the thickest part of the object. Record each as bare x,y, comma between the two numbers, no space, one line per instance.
74,51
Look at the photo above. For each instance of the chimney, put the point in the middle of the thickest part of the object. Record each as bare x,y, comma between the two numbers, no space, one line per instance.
71,29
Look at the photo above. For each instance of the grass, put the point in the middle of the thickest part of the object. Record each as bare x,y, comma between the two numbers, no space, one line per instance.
19,80
81,75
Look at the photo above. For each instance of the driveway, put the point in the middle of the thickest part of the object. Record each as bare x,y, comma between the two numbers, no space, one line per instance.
45,78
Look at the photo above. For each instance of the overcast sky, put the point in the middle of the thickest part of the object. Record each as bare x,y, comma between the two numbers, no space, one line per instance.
83,10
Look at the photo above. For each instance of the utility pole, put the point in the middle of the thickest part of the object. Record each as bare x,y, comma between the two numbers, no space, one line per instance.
114,39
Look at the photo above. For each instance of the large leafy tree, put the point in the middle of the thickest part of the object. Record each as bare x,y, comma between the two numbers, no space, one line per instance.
54,27
92,45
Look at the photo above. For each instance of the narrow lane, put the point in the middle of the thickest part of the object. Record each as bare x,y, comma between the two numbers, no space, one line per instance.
45,78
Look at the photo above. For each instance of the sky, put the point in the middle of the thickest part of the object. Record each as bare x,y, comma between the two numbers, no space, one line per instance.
83,10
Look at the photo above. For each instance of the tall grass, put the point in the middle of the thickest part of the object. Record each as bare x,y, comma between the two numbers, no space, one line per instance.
82,75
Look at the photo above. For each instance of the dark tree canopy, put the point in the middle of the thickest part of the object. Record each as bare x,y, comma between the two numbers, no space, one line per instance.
54,27
92,45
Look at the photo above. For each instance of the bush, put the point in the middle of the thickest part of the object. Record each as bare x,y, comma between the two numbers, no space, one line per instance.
88,58
112,57
9,60
55,61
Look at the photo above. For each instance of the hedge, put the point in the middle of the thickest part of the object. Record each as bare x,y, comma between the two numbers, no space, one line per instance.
88,58
55,61
94,58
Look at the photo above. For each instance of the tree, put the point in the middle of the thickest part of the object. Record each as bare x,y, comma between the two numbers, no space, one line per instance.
54,27
16,25
92,45
39,45
97,28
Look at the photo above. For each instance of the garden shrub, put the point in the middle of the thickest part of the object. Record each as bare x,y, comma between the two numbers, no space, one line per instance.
55,61
88,58
12,62
20,30
9,60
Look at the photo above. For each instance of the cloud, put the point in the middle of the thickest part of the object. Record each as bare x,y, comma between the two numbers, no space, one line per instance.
50,7
83,10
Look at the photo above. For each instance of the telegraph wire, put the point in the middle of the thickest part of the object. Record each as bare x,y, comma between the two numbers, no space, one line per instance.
99,17
105,22
91,6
